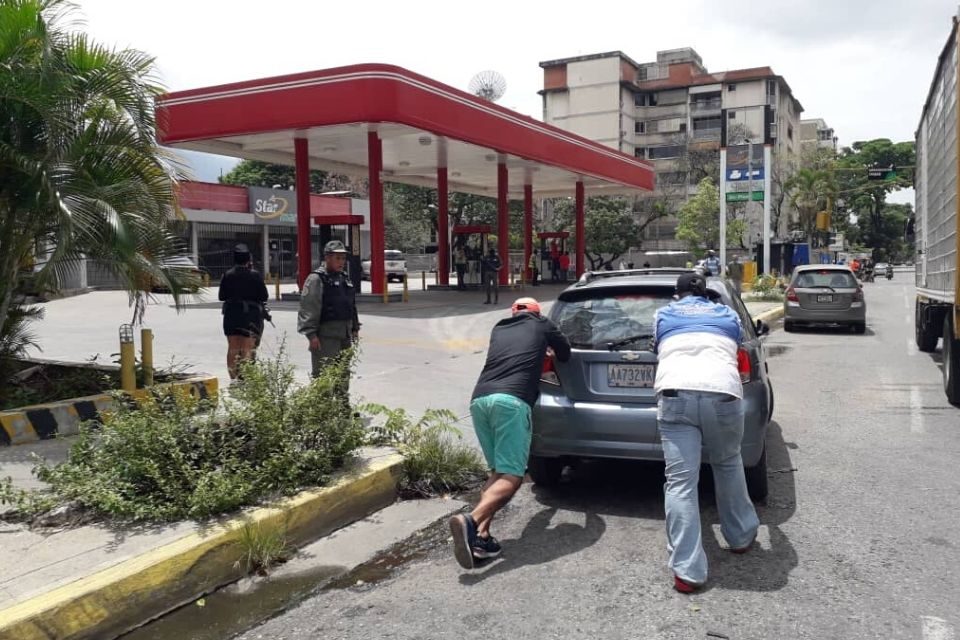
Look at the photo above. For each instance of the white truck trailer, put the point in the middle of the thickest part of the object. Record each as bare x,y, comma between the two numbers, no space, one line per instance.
937,223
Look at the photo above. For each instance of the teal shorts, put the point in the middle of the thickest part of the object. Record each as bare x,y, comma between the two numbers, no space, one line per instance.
503,426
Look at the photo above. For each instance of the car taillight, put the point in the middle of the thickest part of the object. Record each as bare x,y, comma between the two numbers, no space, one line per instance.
792,295
549,372
744,366
858,295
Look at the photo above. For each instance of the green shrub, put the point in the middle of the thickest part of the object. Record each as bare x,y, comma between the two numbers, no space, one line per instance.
767,287
436,460
174,456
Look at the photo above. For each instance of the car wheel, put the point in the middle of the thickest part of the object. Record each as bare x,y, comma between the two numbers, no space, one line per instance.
860,327
545,472
926,339
951,363
757,478
789,326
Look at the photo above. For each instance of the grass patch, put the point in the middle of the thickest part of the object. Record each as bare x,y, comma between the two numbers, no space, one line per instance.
436,460
263,547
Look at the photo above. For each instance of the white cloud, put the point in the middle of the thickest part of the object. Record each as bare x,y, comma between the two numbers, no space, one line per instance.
862,65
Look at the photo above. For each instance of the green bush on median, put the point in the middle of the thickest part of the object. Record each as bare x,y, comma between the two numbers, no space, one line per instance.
175,456
435,460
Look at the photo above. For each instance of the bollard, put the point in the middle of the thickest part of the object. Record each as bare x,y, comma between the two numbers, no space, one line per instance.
406,289
146,356
386,289
277,288
128,364
423,281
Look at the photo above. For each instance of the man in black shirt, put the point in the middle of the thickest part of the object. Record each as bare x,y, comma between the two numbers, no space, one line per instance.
490,269
501,409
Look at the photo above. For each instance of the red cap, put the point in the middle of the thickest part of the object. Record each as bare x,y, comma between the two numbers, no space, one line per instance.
525,304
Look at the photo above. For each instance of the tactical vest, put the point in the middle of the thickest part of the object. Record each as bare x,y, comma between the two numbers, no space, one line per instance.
338,297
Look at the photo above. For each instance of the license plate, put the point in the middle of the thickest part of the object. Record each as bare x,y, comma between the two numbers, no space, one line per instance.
631,375
824,298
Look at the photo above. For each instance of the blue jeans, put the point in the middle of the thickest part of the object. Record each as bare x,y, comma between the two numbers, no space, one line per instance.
687,421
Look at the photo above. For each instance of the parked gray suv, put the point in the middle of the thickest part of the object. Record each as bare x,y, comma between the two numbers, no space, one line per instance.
601,403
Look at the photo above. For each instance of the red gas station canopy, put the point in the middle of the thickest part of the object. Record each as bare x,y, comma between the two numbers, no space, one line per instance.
423,124
389,124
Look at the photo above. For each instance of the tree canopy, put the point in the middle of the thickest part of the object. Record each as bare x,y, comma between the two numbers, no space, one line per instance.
699,220
81,174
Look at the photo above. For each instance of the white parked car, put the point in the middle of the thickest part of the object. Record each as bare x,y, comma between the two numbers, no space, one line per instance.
394,263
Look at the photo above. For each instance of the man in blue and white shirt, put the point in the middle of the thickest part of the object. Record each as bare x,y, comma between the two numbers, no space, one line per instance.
712,263
700,405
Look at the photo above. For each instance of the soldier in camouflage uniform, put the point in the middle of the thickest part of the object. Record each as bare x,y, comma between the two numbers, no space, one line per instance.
328,309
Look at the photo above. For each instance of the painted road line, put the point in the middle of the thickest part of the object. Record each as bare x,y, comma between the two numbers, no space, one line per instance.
936,628
916,410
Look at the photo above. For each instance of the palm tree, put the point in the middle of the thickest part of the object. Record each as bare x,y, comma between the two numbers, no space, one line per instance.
810,191
81,173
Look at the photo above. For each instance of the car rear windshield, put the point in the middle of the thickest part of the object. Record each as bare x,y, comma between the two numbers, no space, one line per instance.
594,321
821,278
393,255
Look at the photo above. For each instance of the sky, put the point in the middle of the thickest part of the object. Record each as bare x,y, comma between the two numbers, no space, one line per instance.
863,66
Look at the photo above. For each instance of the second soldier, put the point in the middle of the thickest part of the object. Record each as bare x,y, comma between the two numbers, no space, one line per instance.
328,310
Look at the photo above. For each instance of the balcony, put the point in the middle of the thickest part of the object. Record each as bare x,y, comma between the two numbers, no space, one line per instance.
706,134
704,107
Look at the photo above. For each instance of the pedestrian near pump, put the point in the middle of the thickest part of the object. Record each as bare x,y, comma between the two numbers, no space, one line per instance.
712,263
328,310
564,265
490,269
700,404
460,265
501,408
243,294
534,268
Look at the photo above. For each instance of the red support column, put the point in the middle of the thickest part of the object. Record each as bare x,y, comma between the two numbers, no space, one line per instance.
301,153
503,223
581,230
443,228
377,233
527,229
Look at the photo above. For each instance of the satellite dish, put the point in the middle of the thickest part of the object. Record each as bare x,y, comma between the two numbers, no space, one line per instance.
489,85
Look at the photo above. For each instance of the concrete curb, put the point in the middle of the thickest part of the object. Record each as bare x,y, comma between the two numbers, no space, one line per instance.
120,598
770,316
63,418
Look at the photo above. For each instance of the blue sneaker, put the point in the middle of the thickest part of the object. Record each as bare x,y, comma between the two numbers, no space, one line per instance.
464,531
485,548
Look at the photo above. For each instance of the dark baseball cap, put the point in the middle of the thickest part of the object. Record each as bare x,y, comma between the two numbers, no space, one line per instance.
334,246
693,283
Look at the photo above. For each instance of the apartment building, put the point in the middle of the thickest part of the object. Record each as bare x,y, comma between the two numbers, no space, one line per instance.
672,112
814,132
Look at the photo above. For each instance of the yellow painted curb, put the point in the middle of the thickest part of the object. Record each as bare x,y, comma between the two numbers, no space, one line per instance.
120,598
771,316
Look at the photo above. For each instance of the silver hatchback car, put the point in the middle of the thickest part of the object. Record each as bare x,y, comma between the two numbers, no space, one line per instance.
601,403
824,294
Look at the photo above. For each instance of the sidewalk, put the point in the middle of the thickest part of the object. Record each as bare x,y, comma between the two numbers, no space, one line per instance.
102,580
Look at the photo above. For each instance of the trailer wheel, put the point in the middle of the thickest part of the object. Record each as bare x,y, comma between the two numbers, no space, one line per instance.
925,336
951,362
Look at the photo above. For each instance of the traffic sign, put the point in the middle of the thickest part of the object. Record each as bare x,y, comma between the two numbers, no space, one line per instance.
743,196
882,173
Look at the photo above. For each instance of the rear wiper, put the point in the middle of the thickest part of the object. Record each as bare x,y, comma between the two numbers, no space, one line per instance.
611,346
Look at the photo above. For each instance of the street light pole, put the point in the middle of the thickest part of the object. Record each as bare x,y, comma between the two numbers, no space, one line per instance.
723,209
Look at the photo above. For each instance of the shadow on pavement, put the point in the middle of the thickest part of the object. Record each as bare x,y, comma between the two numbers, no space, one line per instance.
765,567
538,545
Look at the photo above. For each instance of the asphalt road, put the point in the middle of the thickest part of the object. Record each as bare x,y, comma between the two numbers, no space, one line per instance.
858,539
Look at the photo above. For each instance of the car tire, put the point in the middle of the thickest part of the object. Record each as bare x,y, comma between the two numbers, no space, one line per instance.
545,472
789,326
756,476
859,327
926,339
951,363
772,402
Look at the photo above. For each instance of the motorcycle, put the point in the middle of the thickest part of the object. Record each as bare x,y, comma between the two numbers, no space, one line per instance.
868,275
889,273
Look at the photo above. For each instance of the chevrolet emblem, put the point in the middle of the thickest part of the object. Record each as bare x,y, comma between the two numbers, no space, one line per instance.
630,356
